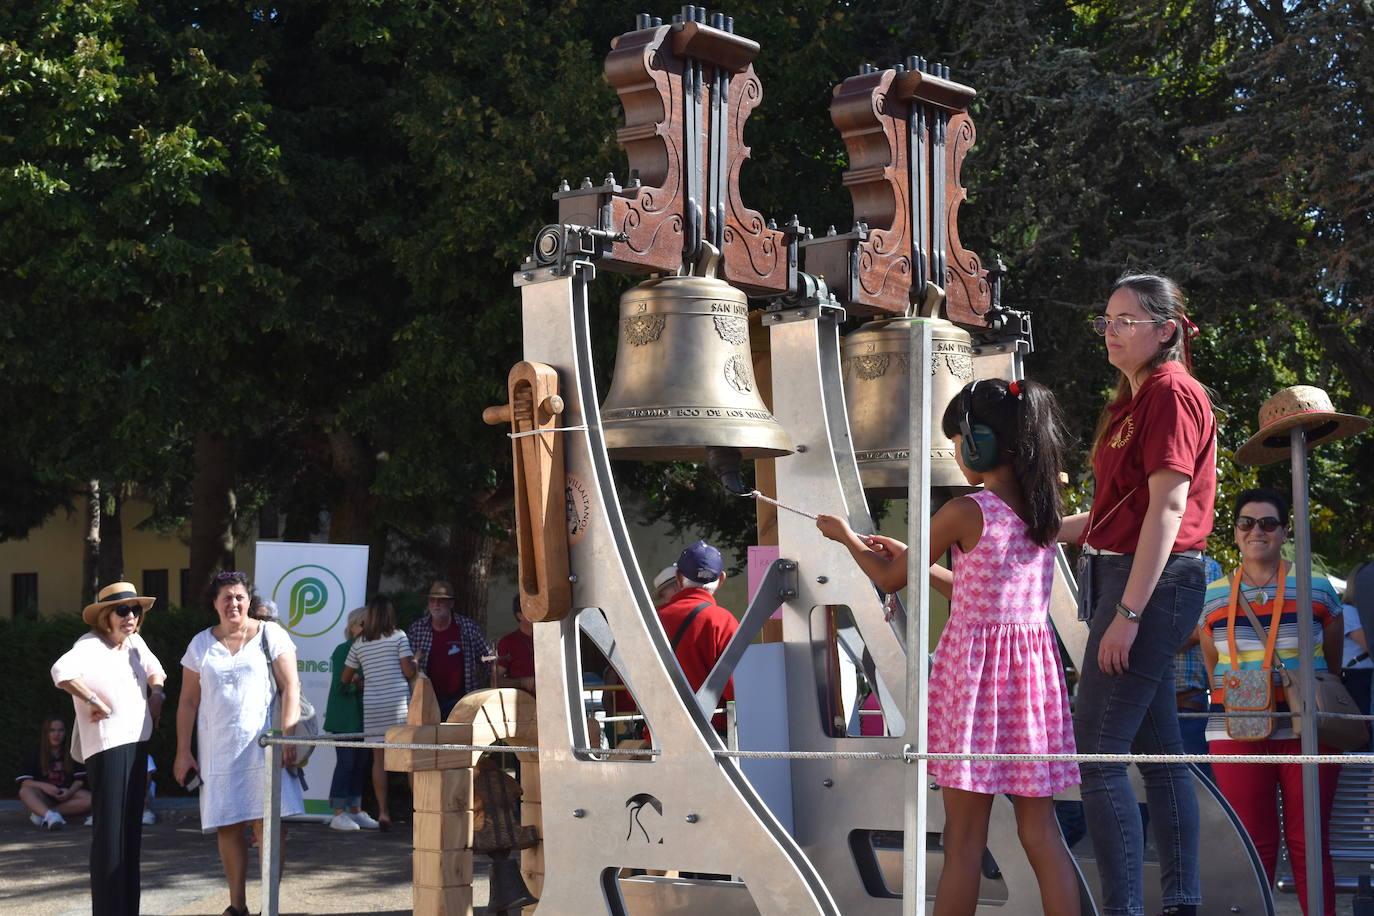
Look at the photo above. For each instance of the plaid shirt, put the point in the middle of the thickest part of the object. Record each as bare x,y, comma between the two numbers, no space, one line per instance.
475,648
1190,672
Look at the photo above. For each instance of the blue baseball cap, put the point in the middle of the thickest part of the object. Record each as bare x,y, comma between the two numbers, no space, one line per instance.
700,563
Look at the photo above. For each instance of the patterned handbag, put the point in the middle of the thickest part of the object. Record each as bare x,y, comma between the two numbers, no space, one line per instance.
1250,690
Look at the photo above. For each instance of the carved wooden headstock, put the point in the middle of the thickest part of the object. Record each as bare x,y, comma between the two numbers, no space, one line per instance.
907,130
687,89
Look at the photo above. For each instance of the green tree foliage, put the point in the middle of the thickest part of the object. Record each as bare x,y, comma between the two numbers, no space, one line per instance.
285,235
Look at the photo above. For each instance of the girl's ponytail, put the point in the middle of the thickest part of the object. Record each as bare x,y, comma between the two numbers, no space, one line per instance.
1038,457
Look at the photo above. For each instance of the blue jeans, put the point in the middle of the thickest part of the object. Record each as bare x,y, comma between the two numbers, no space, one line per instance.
351,768
1135,712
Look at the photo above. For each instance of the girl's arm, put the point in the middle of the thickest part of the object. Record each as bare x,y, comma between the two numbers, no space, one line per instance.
408,667
882,559
1071,528
347,675
1158,528
187,707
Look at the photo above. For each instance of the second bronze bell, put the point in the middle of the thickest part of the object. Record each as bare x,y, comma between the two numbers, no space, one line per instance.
684,377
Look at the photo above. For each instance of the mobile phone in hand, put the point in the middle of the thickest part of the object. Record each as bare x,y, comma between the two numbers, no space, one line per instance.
193,783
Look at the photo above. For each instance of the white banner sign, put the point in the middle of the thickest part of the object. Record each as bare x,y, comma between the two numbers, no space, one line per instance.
314,587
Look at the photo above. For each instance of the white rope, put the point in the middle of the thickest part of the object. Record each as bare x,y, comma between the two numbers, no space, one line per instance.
768,499
906,755
540,432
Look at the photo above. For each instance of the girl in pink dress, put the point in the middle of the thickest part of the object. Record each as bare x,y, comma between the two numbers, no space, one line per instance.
997,685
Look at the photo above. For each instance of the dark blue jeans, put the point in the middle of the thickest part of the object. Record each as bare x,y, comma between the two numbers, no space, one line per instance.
1135,712
351,768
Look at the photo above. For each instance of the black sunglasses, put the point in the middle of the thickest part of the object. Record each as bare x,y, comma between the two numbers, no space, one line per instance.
1267,524
124,610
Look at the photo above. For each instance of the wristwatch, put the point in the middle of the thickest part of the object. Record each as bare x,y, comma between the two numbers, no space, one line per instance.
1126,612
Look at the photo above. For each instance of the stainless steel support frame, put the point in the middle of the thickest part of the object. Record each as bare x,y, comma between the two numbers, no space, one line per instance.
684,808
1302,550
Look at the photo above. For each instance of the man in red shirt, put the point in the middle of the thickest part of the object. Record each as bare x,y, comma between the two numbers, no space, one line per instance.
515,653
450,649
699,629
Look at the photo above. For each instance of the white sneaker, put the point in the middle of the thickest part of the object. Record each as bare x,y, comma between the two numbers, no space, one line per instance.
35,820
52,820
148,816
342,822
363,820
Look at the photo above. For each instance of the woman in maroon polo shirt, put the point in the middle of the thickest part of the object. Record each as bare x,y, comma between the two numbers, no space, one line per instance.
1154,464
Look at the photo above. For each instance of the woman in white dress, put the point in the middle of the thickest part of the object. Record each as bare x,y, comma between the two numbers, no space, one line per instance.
387,664
226,696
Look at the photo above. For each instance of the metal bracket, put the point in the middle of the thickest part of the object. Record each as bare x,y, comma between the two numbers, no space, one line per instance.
779,586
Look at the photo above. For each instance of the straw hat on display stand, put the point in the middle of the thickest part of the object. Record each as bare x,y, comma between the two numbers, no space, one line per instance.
1300,405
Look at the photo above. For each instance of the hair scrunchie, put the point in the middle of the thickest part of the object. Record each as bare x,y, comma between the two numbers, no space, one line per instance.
1015,390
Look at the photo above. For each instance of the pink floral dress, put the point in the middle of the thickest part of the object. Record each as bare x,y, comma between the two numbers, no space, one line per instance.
997,685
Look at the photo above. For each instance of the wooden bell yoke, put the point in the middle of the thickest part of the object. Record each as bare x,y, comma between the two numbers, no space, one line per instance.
907,130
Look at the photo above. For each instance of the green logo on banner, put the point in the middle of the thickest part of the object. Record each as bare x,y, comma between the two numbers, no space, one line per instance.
314,598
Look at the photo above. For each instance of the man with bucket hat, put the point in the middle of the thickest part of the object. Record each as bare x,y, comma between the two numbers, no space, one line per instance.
450,648
699,629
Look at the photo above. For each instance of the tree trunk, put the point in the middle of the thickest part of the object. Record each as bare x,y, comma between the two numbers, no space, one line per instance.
469,569
212,513
351,515
110,562
90,569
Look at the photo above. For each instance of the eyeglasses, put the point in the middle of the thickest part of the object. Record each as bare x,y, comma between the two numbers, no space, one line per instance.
224,576
1266,524
1120,326
124,610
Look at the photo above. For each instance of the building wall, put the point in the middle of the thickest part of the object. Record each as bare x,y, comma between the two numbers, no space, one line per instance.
54,552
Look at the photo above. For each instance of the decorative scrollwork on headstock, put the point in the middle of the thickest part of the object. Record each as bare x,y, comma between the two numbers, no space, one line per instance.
687,89
907,131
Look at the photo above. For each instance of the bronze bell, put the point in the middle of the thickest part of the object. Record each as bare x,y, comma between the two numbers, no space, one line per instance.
684,377
876,364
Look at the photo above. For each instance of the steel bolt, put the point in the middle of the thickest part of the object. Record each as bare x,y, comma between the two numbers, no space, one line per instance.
827,782
572,578
527,275
692,818
822,579
789,593
579,812
801,448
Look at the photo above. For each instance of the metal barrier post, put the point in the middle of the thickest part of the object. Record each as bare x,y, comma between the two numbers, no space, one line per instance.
269,851
918,626
1311,790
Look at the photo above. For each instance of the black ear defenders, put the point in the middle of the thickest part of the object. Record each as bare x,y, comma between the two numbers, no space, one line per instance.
978,448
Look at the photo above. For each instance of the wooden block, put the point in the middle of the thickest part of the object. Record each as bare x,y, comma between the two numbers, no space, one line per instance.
442,867
532,859
424,705
442,901
443,790
403,760
593,732
532,813
453,733
449,830
529,782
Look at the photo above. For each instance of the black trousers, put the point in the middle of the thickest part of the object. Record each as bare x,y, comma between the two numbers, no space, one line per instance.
119,779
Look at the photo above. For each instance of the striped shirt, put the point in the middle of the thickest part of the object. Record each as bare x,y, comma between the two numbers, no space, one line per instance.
385,685
1250,648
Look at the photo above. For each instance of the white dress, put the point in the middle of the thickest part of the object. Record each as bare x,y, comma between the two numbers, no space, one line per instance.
236,693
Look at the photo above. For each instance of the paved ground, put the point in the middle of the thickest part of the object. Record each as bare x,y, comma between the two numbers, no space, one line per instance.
45,873
327,871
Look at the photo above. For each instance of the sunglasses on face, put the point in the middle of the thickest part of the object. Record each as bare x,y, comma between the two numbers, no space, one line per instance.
124,610
1266,524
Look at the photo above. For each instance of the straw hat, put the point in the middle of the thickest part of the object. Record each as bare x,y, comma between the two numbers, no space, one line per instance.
1301,405
441,589
114,593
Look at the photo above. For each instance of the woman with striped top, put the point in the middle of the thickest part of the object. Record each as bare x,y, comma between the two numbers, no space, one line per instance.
1225,631
383,656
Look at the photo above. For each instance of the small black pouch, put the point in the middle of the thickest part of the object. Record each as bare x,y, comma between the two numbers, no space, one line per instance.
1084,572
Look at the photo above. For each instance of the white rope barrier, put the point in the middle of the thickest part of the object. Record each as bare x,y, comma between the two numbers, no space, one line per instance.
906,755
